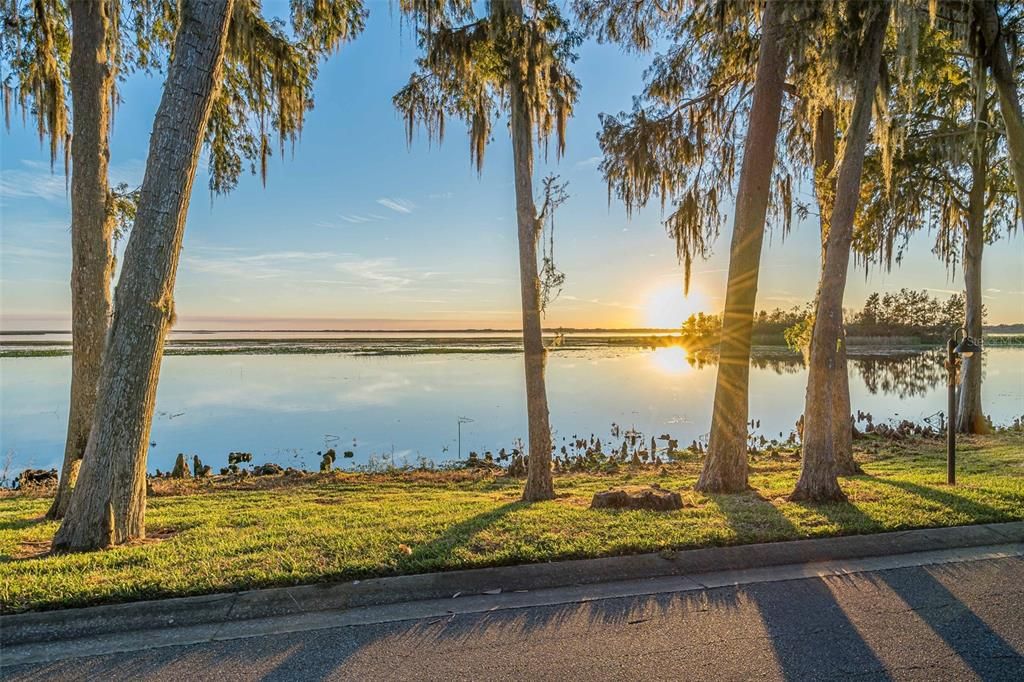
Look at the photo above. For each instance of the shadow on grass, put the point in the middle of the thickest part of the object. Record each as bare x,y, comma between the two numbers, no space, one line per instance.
753,518
847,516
433,555
23,523
976,510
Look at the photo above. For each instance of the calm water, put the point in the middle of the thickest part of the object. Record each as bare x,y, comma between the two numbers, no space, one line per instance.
284,408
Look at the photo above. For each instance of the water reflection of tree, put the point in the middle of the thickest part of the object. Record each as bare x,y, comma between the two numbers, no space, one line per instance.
781,362
905,375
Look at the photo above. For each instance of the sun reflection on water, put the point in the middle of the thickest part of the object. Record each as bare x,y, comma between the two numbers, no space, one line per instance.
670,360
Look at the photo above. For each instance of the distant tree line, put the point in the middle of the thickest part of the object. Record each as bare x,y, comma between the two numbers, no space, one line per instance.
902,314
909,313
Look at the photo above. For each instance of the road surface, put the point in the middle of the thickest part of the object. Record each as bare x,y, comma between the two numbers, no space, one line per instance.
961,620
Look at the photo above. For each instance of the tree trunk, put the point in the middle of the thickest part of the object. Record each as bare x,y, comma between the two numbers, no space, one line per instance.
995,57
725,467
92,229
818,469
825,189
108,505
842,414
539,485
969,415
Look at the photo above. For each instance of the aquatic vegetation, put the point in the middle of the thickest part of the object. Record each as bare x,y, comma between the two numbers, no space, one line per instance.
327,461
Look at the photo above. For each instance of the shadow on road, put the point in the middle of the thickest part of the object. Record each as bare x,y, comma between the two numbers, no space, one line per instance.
963,631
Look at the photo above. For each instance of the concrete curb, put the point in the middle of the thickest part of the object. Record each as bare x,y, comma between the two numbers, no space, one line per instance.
49,626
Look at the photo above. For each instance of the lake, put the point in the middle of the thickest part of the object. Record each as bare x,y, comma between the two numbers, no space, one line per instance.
399,407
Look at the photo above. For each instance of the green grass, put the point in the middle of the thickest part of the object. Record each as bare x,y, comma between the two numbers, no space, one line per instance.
345,526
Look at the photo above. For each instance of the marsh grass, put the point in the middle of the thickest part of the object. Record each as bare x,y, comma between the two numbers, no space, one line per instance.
215,536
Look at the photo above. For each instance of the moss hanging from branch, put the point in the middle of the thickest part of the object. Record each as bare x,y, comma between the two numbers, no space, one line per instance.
920,179
551,278
682,141
466,70
35,50
268,80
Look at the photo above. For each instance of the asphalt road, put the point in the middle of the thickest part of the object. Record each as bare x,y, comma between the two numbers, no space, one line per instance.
940,622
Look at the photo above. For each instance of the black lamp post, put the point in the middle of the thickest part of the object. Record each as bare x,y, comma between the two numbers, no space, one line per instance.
966,348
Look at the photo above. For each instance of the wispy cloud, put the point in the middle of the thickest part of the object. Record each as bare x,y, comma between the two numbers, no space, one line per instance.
397,205
440,195
355,219
612,304
305,269
351,219
35,180
589,162
14,251
381,274
268,265
782,298
470,311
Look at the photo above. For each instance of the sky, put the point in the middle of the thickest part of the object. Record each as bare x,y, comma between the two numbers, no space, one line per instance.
356,229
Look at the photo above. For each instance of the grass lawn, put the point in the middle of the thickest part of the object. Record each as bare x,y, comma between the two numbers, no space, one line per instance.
212,537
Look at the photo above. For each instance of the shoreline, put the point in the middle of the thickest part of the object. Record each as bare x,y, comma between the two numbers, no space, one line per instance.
860,347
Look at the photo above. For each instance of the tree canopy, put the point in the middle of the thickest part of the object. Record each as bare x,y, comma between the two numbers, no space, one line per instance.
469,64
269,70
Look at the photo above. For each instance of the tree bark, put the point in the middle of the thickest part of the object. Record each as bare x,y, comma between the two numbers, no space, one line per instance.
539,485
818,470
92,228
995,57
969,415
825,189
725,467
108,505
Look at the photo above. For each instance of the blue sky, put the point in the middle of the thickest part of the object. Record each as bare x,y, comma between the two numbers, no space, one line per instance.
356,229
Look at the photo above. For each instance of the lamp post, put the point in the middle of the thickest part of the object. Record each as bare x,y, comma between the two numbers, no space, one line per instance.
966,348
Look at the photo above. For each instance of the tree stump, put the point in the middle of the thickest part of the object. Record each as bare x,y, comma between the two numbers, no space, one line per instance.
181,469
268,469
36,478
650,497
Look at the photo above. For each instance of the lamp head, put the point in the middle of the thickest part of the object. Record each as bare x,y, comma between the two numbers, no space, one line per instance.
967,347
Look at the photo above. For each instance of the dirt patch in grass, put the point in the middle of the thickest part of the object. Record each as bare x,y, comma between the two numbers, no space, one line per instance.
31,549
38,549
158,535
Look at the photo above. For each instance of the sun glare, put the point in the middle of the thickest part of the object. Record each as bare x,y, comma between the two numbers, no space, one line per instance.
666,307
670,360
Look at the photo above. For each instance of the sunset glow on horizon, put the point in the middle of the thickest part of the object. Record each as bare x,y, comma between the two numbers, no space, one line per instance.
667,307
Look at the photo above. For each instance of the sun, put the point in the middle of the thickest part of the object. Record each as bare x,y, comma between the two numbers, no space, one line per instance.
666,307
671,360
